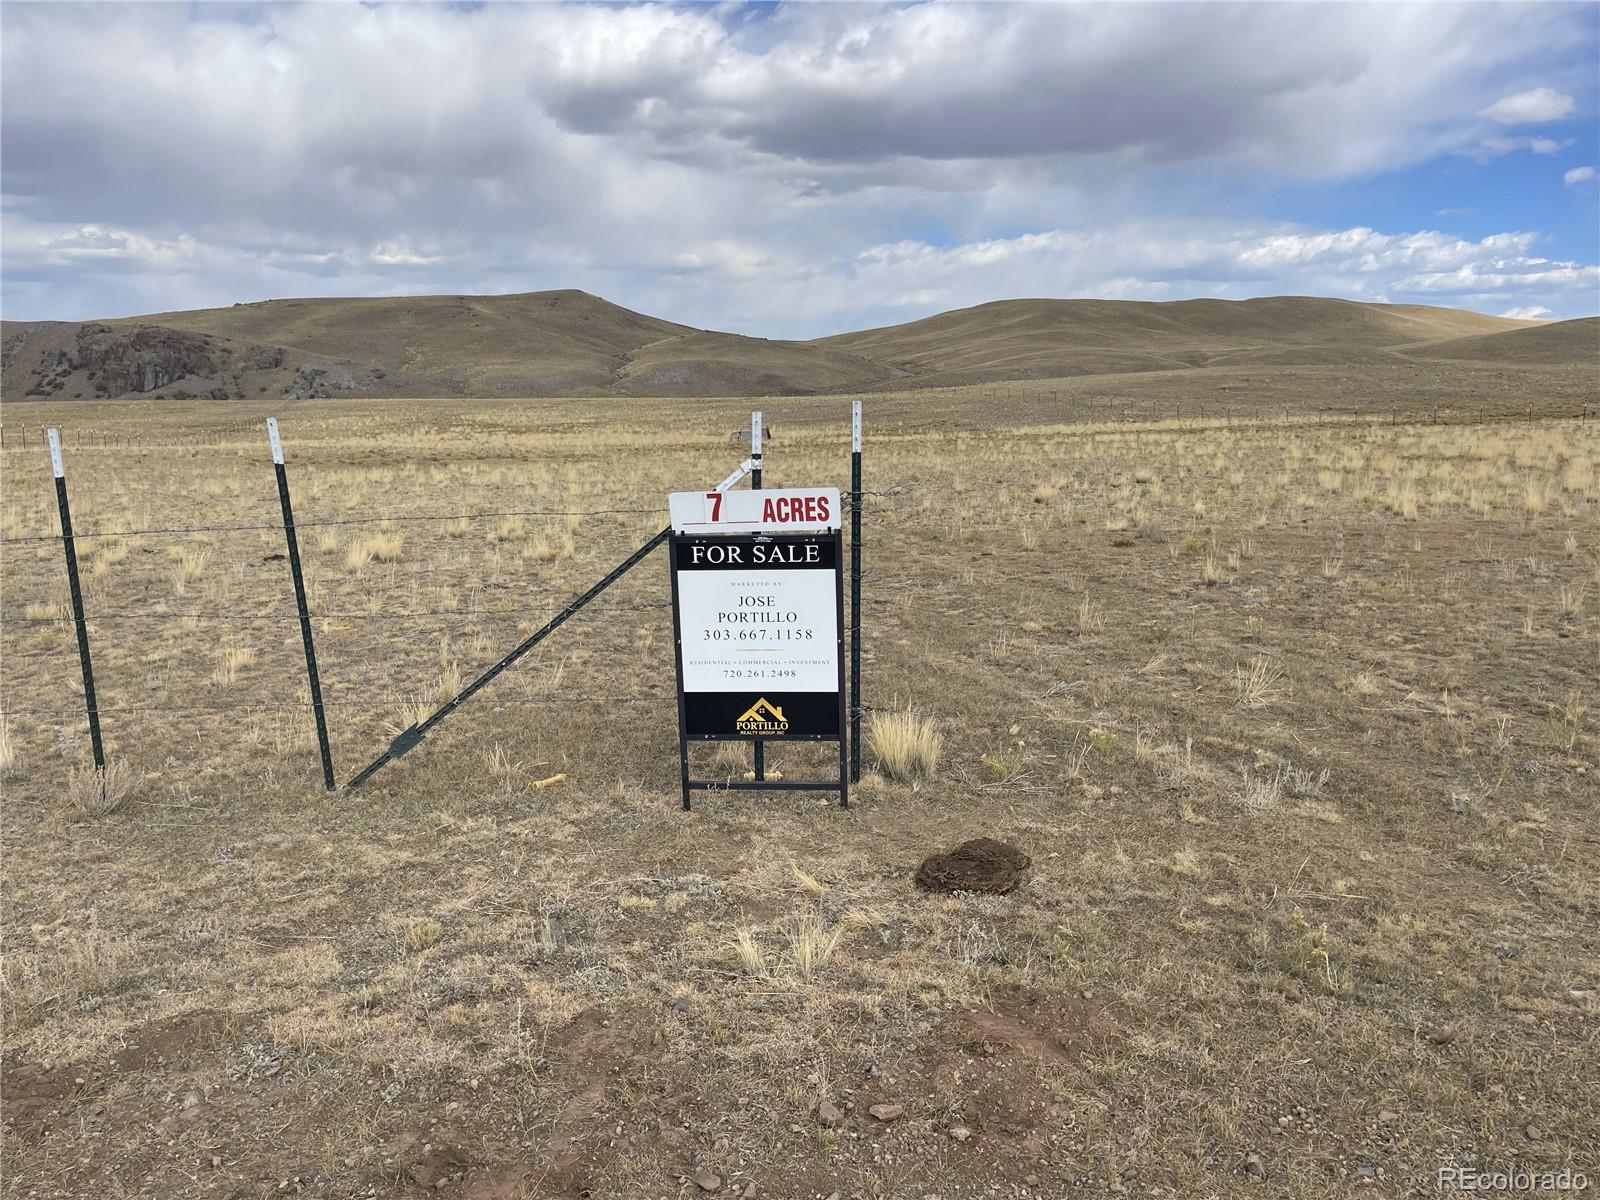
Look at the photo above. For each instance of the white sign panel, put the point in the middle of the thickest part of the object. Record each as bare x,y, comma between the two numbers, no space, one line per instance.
775,510
745,630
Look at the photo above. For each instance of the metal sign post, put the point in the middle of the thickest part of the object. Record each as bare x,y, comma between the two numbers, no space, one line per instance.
855,591
758,626
53,438
300,604
758,760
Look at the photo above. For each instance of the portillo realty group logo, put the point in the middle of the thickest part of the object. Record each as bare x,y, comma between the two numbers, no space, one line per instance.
762,719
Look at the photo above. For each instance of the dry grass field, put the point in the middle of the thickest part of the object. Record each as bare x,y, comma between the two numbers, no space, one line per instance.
1294,713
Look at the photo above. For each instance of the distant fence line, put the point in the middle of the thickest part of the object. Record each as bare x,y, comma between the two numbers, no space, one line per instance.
1073,412
25,436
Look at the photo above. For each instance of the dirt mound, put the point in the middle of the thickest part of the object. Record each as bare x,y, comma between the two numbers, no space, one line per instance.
981,865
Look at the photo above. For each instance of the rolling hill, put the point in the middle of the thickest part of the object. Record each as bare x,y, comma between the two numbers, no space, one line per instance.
572,343
1555,343
1054,338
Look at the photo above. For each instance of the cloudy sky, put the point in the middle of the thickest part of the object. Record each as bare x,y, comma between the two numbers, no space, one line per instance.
800,169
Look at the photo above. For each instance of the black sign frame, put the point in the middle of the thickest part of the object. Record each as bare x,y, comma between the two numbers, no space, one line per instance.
839,729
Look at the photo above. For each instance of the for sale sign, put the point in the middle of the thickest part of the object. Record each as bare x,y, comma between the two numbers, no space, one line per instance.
758,629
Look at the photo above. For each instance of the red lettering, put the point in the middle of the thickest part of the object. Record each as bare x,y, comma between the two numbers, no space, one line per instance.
766,511
822,510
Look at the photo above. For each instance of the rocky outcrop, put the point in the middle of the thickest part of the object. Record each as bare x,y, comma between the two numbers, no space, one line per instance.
319,381
145,359
101,360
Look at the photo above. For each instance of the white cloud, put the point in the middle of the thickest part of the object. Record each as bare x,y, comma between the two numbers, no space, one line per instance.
1530,108
398,252
1487,148
745,168
1159,262
1527,312
1578,175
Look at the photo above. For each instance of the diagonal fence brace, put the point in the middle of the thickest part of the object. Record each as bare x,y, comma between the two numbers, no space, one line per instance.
411,735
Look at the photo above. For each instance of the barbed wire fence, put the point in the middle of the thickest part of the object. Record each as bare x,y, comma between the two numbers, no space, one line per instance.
457,618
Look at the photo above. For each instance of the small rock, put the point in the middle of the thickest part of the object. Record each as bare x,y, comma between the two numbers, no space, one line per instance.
830,1114
707,1180
1254,1167
960,1132
683,1004
1387,1117
1534,1132
888,1112
749,1192
216,1160
1031,1180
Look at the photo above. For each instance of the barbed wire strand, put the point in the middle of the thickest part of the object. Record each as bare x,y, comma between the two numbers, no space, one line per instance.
374,519
529,614
306,706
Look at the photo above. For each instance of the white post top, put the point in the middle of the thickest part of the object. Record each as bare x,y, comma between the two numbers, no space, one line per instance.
755,435
272,437
55,454
855,427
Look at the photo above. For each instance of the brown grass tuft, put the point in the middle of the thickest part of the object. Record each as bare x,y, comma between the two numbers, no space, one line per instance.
101,791
906,744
